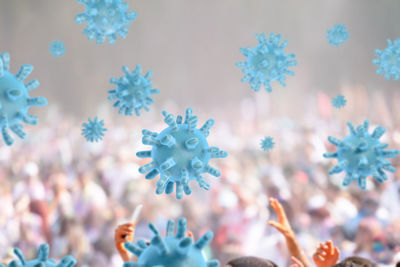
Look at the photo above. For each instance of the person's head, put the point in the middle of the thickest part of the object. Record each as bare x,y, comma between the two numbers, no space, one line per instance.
355,262
251,262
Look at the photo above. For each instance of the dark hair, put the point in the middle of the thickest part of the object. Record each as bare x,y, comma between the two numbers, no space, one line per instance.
251,262
398,264
355,261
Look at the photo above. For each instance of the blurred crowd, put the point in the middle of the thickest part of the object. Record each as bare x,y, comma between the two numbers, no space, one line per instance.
57,188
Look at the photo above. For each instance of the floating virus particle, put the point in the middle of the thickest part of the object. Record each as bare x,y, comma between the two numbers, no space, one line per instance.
15,101
339,101
266,62
42,259
93,130
172,250
267,143
57,48
361,154
389,60
180,154
106,19
133,91
337,35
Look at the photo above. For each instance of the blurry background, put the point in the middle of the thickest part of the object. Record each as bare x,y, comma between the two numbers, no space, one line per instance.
55,187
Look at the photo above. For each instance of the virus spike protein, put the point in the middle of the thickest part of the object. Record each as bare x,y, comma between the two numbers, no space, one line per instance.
171,251
15,101
361,154
133,91
106,19
180,154
41,260
266,62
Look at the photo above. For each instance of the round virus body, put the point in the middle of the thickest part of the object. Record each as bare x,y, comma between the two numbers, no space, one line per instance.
267,143
266,62
337,35
93,130
361,154
105,19
180,154
42,259
171,251
133,91
15,100
388,60
339,101
57,48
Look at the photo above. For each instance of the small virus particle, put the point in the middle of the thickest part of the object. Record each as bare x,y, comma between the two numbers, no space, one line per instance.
57,48
172,250
337,35
133,91
339,101
15,101
266,62
389,60
106,19
361,154
93,130
180,154
42,259
267,143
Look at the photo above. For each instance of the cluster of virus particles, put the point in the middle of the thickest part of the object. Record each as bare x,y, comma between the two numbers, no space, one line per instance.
173,250
42,259
180,154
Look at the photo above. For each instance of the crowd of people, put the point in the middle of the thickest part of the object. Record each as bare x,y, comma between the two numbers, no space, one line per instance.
57,188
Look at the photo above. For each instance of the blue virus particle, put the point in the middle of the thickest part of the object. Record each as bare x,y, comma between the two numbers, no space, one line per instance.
42,259
15,101
171,251
105,19
133,91
337,35
93,130
361,154
180,154
57,48
389,60
339,101
267,143
266,62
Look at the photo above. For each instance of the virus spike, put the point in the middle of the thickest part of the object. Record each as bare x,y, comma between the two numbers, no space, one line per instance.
266,62
144,154
184,246
160,244
43,252
152,174
360,155
213,263
134,249
18,131
133,92
181,228
204,240
202,183
330,155
180,154
388,60
211,170
142,244
207,126
170,228
93,131
24,72
38,101
32,85
337,35
5,59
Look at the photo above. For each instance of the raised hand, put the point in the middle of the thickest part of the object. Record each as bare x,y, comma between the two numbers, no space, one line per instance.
123,234
282,225
326,255
296,262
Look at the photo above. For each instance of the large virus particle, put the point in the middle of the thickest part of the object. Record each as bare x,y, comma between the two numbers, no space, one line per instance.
267,143
339,101
180,154
57,48
105,19
172,250
389,60
361,154
133,91
42,259
15,101
337,35
93,130
266,62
